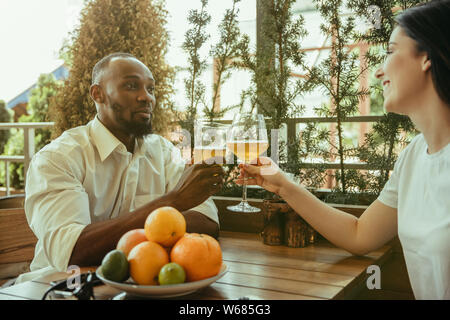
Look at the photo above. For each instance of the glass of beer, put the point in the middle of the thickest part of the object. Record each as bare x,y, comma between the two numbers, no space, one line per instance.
209,142
247,139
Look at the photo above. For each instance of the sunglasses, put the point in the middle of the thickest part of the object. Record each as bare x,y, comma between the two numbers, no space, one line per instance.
84,291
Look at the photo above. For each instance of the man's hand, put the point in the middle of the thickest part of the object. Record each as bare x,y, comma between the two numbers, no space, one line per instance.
198,183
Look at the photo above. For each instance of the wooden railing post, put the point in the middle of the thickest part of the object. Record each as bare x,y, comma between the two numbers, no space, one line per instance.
7,177
291,135
29,149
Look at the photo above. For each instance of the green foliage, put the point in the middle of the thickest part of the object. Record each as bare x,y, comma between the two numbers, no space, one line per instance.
14,146
107,26
392,133
338,76
195,38
273,90
276,93
65,53
224,53
387,16
37,108
311,144
5,116
381,147
137,26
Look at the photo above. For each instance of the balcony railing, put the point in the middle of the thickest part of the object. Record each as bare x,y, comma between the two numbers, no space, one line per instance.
291,125
28,144
29,147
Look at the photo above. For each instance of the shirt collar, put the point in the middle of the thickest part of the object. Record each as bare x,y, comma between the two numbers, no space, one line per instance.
103,139
106,142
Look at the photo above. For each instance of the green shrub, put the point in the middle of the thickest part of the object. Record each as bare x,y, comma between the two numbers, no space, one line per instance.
5,116
37,108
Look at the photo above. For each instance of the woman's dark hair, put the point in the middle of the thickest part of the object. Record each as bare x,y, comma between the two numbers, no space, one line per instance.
429,25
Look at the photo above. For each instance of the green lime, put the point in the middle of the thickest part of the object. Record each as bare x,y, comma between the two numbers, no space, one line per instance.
115,266
171,273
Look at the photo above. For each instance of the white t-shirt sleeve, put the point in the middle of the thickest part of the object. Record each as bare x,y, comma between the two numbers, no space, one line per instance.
56,207
389,194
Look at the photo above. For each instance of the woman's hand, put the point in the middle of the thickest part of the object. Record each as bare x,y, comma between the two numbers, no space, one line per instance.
265,173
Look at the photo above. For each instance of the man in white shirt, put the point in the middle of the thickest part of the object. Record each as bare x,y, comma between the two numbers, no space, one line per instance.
95,182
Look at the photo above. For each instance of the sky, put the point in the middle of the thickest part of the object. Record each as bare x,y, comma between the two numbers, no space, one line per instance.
32,33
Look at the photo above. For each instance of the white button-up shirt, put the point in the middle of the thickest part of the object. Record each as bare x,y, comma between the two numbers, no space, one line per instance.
87,175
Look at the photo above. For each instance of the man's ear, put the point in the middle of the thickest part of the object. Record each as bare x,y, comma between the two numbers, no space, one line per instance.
96,93
426,63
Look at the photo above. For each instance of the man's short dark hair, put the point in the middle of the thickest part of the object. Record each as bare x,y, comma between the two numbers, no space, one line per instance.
104,62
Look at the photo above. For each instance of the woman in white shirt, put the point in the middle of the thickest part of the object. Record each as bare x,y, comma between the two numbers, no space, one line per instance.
415,202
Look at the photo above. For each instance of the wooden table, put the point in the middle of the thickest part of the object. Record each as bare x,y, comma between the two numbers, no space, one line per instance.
258,271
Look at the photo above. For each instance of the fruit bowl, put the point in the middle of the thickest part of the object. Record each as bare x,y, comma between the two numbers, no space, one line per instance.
161,291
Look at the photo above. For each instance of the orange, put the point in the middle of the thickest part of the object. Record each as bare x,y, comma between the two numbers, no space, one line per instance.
145,261
165,226
199,254
130,239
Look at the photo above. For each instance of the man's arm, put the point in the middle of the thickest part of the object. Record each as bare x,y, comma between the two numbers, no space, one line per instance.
195,185
197,222
193,181
99,238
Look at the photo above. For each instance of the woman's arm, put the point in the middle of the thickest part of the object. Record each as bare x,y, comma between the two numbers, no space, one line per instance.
376,226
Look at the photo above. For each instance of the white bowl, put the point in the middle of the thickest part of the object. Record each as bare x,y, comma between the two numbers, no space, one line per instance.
161,291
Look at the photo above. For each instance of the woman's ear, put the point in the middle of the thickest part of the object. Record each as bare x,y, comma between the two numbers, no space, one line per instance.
426,63
96,93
